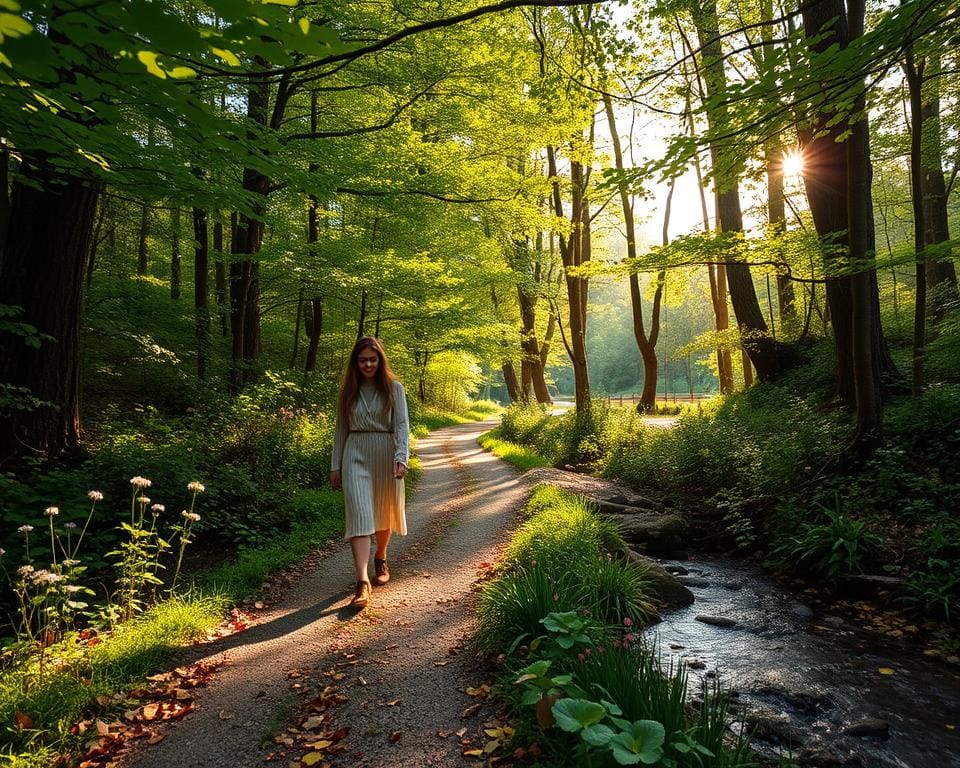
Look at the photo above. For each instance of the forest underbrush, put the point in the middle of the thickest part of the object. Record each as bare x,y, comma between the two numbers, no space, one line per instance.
104,563
563,617
766,474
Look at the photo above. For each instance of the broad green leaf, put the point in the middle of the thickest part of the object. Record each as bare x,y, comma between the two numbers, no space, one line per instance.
597,735
573,715
12,25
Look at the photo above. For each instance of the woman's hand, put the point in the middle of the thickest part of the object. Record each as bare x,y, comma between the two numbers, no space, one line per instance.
399,470
336,481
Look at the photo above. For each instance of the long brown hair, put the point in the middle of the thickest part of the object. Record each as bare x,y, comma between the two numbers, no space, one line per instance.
350,388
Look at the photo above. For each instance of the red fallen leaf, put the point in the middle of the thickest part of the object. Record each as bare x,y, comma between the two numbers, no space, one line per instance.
519,753
394,736
23,721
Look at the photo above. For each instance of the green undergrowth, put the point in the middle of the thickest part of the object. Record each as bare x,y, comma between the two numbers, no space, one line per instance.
563,616
74,678
769,471
520,456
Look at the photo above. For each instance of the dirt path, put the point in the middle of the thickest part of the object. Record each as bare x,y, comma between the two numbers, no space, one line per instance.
399,664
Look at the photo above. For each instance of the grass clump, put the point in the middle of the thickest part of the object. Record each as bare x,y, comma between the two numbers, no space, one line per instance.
520,456
557,560
564,614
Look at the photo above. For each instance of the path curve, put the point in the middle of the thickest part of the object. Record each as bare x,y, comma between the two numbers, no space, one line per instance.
401,647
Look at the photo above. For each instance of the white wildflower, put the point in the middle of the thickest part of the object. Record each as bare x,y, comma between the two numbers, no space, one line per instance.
140,482
69,526
144,500
25,529
196,487
158,509
25,570
51,511
96,495
192,517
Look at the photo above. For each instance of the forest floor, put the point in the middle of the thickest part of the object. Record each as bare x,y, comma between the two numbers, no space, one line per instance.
311,679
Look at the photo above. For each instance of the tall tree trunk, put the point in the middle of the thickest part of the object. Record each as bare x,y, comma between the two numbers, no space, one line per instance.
717,275
220,277
866,366
42,271
201,302
143,264
826,179
510,379
175,268
574,251
773,156
647,345
314,323
362,320
296,327
941,274
754,335
245,245
914,73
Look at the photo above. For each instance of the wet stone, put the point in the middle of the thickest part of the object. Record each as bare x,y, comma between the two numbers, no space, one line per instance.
871,726
676,570
801,612
733,586
698,582
833,621
717,621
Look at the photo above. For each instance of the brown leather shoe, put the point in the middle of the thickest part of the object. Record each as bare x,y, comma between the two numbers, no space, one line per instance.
382,572
361,598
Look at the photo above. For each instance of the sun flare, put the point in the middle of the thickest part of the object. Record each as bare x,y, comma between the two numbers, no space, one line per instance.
792,162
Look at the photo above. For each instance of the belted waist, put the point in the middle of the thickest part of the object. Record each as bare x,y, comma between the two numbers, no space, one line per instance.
371,431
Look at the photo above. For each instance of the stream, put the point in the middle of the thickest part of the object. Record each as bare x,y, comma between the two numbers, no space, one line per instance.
801,679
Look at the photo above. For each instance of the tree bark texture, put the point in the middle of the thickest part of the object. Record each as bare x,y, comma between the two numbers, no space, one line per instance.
754,334
826,179
220,278
43,272
201,289
175,262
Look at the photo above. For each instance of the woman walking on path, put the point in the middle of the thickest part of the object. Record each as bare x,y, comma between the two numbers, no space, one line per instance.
371,450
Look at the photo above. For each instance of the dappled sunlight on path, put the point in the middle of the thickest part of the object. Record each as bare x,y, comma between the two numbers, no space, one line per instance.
408,668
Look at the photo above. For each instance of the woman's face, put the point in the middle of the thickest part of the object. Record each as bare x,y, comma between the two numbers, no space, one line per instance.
368,361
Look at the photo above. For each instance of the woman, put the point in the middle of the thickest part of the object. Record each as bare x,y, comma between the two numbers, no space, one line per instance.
371,450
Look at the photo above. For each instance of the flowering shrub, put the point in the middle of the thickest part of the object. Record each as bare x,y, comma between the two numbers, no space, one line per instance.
50,601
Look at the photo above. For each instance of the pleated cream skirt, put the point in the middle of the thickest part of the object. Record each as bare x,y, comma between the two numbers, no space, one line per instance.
373,498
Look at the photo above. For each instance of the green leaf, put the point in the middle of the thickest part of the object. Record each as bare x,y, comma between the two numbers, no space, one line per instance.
573,715
597,735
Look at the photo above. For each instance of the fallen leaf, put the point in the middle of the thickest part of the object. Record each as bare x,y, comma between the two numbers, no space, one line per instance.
102,728
394,736
492,746
320,745
22,720
150,711
311,758
886,671
470,711
461,733
226,714
473,753
258,604
313,722
393,703
156,738
440,663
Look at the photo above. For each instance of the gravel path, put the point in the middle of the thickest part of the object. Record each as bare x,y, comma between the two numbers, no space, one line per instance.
400,664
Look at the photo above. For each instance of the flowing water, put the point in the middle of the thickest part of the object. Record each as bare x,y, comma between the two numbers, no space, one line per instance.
800,678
